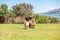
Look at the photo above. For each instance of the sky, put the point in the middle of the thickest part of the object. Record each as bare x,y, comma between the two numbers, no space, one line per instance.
39,5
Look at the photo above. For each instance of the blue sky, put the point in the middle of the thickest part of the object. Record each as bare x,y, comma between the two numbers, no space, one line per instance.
39,5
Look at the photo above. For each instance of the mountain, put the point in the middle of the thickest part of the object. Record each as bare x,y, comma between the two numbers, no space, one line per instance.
54,13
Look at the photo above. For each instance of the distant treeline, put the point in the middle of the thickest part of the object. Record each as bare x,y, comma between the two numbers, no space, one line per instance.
45,19
22,10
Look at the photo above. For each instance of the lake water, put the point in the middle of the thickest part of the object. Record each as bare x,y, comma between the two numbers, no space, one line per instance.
56,15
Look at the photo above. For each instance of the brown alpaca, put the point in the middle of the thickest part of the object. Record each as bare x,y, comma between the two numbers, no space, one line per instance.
32,23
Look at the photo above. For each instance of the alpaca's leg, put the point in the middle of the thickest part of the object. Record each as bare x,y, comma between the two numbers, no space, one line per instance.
31,26
26,25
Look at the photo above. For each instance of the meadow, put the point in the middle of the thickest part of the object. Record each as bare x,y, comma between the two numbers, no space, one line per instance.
40,32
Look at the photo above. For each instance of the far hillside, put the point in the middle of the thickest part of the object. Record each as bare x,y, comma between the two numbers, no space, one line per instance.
54,13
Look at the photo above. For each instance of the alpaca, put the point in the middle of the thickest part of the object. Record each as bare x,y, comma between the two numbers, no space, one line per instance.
32,23
29,22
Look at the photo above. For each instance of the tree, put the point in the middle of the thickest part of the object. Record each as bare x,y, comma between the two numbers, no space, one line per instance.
54,20
22,9
4,11
1,12
4,7
36,16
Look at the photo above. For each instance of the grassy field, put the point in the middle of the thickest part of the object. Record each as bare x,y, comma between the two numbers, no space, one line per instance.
40,32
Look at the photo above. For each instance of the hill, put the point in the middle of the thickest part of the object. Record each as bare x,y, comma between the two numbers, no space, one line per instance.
54,13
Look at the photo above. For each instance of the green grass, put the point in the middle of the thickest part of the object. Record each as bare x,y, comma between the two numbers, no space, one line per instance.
40,32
